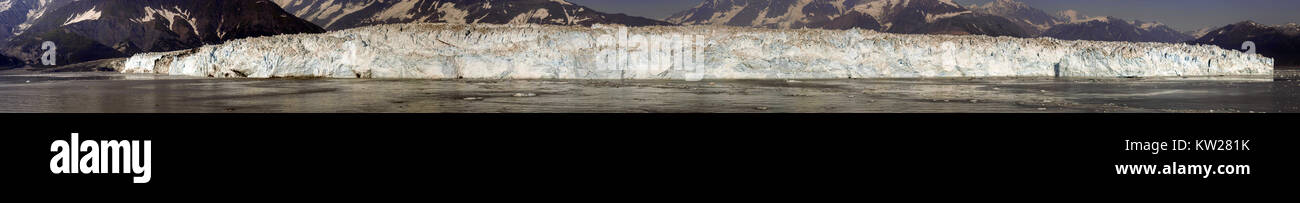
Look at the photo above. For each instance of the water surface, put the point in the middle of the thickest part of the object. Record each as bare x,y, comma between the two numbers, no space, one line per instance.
113,92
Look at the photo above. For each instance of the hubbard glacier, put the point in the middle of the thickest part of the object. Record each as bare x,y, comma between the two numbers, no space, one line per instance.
485,51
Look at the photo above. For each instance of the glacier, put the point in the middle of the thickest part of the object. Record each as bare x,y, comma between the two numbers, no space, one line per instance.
484,51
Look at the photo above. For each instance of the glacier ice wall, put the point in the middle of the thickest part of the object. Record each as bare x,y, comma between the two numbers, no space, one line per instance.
440,51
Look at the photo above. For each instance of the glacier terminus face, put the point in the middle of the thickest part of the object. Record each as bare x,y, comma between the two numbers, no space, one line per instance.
481,51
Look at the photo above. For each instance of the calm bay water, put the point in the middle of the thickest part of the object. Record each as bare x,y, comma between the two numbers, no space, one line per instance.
112,92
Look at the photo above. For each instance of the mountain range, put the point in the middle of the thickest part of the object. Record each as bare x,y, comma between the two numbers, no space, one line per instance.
1280,42
1115,29
1073,25
896,16
86,30
18,15
344,14
1032,20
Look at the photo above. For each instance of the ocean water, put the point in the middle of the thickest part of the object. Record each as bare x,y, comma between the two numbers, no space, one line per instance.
133,93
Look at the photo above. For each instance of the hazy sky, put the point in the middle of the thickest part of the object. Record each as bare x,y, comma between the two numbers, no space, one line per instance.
1179,14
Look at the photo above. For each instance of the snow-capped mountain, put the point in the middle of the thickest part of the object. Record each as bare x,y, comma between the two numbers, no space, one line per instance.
1033,20
487,51
1077,26
1281,42
344,14
96,29
17,15
896,16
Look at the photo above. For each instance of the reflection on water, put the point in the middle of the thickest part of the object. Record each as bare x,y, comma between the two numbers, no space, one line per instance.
101,92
